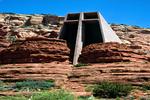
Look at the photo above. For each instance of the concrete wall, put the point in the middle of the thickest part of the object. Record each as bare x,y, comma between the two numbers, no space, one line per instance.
82,29
108,34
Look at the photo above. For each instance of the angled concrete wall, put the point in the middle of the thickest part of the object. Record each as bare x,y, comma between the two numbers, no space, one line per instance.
82,29
108,34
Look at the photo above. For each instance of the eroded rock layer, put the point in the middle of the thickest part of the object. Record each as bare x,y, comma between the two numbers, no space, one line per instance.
75,78
3,43
134,73
35,50
110,52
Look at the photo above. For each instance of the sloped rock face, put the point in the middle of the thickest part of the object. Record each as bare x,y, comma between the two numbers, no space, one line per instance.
110,52
35,50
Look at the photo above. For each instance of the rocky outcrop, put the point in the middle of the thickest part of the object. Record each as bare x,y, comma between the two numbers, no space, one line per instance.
145,31
110,52
46,59
26,34
36,20
134,73
40,71
73,78
35,50
2,18
15,17
48,19
24,26
3,43
133,35
15,20
4,29
53,34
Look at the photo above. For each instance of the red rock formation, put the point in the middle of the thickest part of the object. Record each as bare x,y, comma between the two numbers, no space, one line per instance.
3,43
75,78
53,34
134,73
35,71
35,50
110,52
3,30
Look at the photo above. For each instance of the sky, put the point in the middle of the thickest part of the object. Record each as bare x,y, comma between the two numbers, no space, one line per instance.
130,12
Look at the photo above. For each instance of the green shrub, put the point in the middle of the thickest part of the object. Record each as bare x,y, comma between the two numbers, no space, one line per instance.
55,95
89,88
12,39
111,90
33,85
4,87
1,83
13,98
86,98
80,65
146,87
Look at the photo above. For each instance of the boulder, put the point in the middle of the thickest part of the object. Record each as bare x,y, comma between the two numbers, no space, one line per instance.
26,34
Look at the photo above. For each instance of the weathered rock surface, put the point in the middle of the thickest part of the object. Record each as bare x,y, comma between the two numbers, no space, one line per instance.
110,52
4,29
48,19
37,71
35,20
3,43
24,26
134,73
132,35
53,34
34,50
129,63
145,31
73,78
2,18
24,34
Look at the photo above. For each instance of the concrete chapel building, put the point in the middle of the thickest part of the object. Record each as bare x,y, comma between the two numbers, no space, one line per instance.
82,29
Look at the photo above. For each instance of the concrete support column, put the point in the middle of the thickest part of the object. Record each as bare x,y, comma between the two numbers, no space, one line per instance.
79,41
